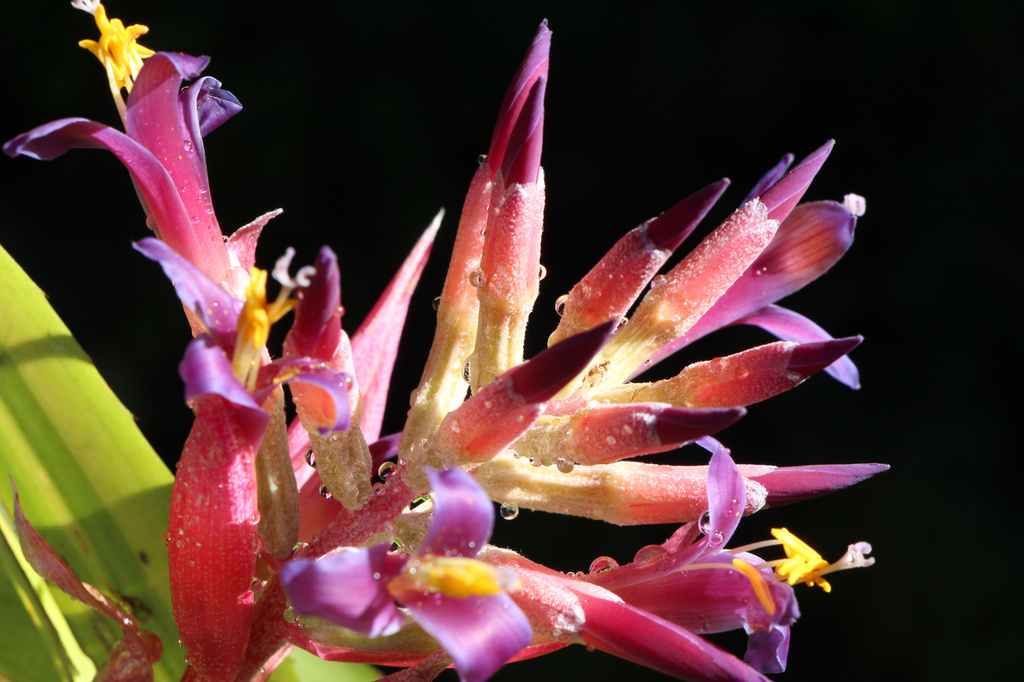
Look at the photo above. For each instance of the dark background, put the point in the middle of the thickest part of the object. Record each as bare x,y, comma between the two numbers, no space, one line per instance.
361,122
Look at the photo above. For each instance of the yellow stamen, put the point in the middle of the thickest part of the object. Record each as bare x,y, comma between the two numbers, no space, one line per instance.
802,562
254,324
453,576
760,584
117,49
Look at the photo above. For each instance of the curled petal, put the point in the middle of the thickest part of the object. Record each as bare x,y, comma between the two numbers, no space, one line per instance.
479,633
348,589
315,373
206,370
767,650
463,515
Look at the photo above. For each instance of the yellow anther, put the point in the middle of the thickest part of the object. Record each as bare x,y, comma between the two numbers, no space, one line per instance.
802,562
453,576
254,324
117,48
760,584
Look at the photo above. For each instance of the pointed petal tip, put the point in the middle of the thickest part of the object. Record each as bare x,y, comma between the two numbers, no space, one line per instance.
682,424
784,195
521,164
668,230
786,485
809,358
546,374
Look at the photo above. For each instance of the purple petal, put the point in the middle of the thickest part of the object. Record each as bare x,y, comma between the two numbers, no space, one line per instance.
375,343
316,331
767,650
786,485
791,326
312,372
769,178
202,107
205,369
781,197
463,515
521,164
479,633
217,309
384,449
533,67
727,499
348,589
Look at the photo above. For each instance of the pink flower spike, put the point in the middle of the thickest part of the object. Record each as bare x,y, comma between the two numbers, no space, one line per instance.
502,411
375,343
522,157
533,67
786,485
613,285
781,197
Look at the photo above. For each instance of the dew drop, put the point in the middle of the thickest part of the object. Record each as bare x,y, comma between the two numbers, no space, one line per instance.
760,271
378,488
256,585
542,273
602,563
289,615
657,281
610,440
299,546
650,555
564,465
560,304
188,145
476,278
705,523
385,470
180,643
254,518
437,303
509,511
742,373
311,458
195,219
465,371
324,492
481,160
167,538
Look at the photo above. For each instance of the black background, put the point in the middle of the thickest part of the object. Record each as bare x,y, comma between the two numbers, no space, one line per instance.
361,122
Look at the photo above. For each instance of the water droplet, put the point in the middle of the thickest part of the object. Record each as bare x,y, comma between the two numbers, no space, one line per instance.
349,382
760,271
324,492
180,643
509,511
564,465
542,273
602,563
705,523
299,546
477,279
311,458
195,219
385,470
256,585
437,303
742,373
289,615
610,440
649,555
658,281
560,304
167,538
465,371
188,145
481,160
257,543
378,488
254,518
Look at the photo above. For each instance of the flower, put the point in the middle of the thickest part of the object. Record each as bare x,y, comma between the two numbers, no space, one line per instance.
324,514
460,601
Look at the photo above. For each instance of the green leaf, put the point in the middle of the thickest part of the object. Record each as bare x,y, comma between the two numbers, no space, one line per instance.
302,666
88,479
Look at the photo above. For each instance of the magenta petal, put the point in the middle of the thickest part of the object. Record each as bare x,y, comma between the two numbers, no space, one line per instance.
521,164
375,343
217,309
769,178
792,326
727,499
781,197
316,331
479,633
348,589
463,515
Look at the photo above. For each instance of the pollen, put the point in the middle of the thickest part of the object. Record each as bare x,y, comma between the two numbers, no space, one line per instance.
801,563
254,324
458,577
117,48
